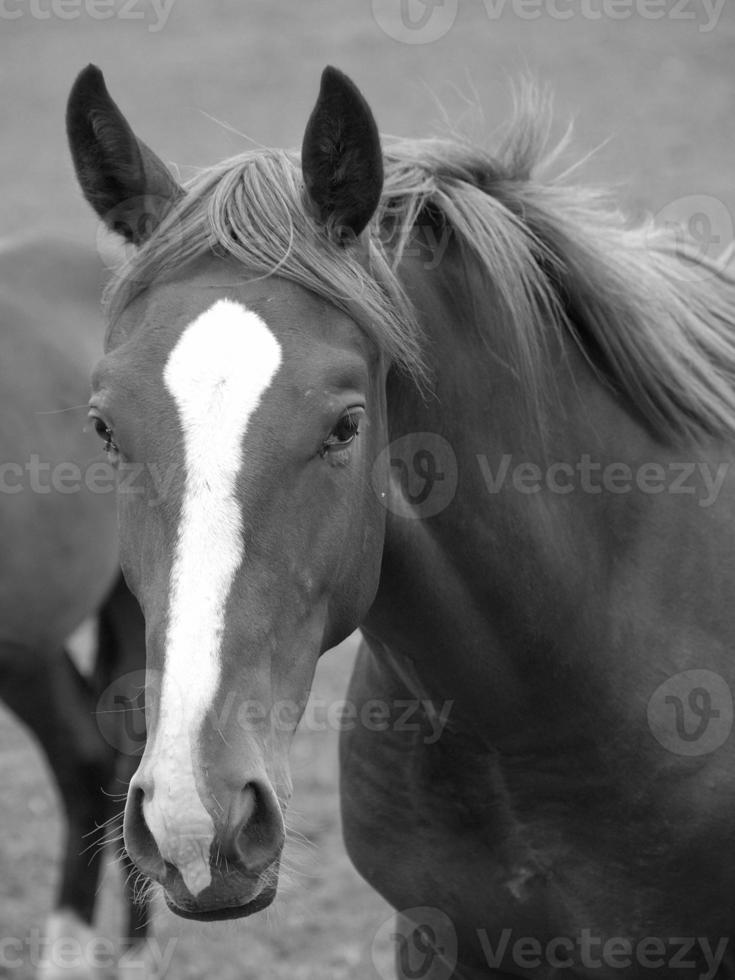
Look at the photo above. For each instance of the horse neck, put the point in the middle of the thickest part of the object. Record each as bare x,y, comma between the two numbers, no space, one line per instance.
474,594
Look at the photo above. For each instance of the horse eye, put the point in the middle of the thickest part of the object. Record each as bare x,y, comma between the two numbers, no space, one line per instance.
105,433
343,433
101,429
346,429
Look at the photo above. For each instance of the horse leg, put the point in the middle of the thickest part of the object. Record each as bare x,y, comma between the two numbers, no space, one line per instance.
120,670
49,695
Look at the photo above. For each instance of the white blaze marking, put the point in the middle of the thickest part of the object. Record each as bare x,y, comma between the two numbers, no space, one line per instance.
217,374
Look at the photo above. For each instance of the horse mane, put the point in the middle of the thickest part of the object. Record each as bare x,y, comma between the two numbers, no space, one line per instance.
653,318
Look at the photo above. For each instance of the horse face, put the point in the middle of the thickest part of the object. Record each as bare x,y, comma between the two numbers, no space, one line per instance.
252,538
246,418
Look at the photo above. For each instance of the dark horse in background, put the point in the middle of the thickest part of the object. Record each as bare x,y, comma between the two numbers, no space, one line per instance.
289,342
58,567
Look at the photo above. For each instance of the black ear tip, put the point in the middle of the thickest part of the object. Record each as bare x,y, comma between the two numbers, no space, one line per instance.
87,87
89,81
335,83
88,93
92,71
332,75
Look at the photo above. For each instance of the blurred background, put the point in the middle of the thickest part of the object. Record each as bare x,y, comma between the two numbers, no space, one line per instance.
198,82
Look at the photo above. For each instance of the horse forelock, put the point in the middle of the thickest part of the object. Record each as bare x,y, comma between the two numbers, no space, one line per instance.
252,209
560,258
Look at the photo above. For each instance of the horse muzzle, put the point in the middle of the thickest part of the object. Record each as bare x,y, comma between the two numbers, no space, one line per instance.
217,862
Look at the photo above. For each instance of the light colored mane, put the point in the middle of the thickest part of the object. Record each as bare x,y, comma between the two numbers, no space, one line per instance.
559,257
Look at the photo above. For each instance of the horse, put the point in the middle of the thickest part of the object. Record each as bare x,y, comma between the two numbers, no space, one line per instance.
445,396
58,568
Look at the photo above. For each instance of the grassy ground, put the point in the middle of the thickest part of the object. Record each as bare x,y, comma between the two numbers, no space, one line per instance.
663,90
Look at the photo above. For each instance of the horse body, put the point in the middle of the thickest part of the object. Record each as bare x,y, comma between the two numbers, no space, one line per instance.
49,348
534,531
548,621
59,566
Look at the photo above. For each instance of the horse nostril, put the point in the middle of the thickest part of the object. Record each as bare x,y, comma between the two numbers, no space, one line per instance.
139,841
258,833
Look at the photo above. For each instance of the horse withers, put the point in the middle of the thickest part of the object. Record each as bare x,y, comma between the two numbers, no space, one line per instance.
59,567
426,391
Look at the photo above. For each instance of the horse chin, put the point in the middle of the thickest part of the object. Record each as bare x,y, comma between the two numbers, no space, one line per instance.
227,905
219,914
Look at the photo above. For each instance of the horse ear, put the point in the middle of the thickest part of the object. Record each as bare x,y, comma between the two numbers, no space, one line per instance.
123,180
341,158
